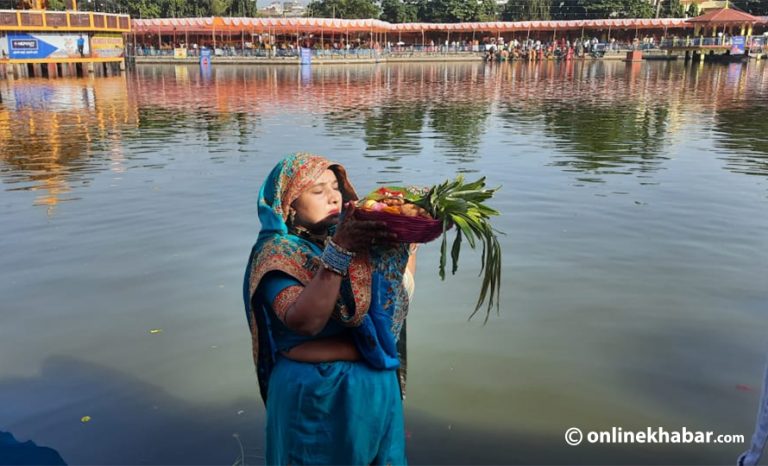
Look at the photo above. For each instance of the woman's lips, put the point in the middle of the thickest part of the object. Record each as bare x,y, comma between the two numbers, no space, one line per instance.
334,212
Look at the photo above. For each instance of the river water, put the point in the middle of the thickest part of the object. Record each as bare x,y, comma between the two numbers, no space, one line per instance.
634,202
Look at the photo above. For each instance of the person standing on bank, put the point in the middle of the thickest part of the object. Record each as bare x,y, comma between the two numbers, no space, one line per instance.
81,46
326,304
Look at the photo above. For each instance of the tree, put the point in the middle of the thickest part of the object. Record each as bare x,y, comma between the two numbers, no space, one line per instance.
672,9
568,9
347,9
142,8
220,7
456,11
753,7
526,10
487,11
399,11
620,9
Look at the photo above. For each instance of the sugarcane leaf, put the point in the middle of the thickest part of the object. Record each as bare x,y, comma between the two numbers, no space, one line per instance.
485,210
475,184
455,252
443,248
465,229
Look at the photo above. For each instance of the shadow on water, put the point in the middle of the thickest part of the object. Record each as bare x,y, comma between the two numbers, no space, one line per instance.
13,452
132,422
469,445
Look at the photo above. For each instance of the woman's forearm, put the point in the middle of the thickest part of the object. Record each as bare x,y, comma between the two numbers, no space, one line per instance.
412,249
312,309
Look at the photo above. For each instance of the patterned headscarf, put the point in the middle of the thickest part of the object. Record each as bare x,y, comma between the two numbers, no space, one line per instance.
372,298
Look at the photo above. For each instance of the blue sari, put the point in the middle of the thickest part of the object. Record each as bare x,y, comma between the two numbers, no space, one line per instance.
310,406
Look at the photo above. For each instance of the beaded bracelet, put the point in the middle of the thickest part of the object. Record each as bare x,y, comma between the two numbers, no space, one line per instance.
336,259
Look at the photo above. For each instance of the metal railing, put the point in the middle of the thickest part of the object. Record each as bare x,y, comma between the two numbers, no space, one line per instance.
697,42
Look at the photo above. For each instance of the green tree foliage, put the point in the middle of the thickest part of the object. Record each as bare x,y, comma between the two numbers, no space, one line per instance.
526,10
620,9
455,11
57,5
144,8
180,8
347,9
567,9
488,10
220,7
672,9
753,7
399,11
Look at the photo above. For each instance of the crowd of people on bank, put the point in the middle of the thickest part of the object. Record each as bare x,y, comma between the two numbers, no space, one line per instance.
494,48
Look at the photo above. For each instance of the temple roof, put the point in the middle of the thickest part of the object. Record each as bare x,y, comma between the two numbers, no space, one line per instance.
723,16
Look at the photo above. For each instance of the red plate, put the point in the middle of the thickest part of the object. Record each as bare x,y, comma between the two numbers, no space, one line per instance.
407,229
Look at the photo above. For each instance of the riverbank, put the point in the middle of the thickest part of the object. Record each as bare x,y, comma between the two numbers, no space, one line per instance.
315,61
341,60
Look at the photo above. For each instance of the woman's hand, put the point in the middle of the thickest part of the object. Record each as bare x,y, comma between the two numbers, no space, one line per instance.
358,235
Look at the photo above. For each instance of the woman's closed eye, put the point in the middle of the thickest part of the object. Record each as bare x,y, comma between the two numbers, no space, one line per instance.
320,190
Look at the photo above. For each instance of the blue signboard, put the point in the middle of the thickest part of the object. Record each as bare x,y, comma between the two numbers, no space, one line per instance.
737,45
205,57
27,46
306,56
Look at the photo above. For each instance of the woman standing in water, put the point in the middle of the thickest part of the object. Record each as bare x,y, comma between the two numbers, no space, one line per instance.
326,305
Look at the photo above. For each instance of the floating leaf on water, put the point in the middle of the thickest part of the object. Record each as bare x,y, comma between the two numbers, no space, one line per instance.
85,419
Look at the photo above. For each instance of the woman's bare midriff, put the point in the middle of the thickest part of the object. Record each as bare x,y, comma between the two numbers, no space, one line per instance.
340,348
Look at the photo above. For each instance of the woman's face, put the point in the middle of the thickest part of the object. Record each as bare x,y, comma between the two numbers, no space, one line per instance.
318,207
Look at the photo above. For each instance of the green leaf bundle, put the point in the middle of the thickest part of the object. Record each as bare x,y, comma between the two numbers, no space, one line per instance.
462,204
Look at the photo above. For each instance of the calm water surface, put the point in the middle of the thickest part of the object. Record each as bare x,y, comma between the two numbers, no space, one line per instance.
634,203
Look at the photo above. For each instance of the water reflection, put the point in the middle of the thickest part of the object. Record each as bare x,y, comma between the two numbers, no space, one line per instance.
598,118
603,120
459,127
50,132
667,286
603,140
395,128
743,133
